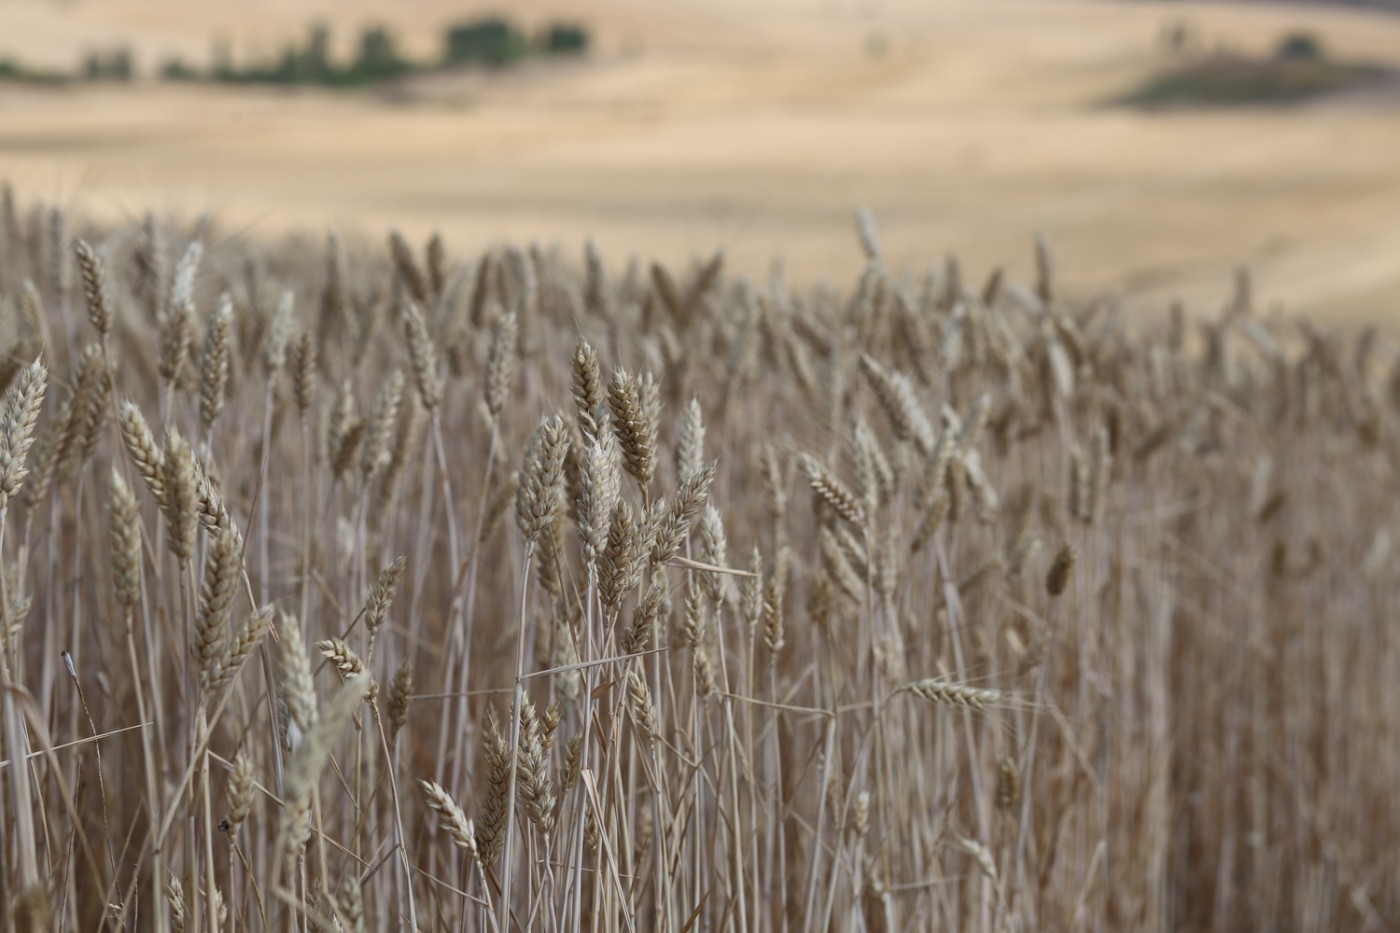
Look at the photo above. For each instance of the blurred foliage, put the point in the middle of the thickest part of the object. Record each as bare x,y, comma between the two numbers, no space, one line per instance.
492,42
110,65
377,58
19,73
1300,47
1297,70
177,69
564,39
116,64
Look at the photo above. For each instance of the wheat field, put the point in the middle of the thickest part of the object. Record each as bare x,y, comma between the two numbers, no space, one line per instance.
349,585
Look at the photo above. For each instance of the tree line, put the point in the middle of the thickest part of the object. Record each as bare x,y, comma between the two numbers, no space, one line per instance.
491,42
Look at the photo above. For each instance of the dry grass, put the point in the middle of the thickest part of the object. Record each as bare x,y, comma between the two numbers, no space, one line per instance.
341,588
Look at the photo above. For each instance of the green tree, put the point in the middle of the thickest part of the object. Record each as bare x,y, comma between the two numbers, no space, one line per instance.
565,39
177,69
316,59
379,57
221,60
1300,47
120,65
110,65
290,68
491,41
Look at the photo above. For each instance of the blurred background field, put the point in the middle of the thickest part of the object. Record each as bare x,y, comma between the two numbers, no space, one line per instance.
756,128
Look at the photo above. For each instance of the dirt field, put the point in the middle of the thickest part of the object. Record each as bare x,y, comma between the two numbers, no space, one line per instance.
759,129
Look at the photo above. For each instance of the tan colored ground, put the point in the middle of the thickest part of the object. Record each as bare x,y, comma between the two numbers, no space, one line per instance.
759,128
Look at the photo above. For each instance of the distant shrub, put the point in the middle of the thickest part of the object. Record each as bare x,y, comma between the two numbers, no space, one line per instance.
290,68
491,41
177,69
1223,82
221,66
564,39
378,57
13,70
316,57
1297,69
1300,47
110,65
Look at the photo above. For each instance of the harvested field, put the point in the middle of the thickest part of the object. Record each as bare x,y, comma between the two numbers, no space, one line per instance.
758,129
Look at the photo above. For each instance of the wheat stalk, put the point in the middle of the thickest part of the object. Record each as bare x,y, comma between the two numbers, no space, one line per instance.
944,692
17,422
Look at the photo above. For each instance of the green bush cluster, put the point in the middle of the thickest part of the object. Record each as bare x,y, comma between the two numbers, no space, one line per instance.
564,39
491,41
497,42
